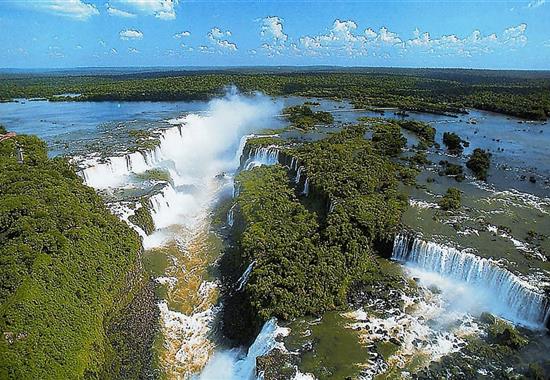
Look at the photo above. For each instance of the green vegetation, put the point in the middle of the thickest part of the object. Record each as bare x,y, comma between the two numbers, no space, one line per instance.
451,200
143,140
387,138
504,334
479,163
158,175
69,271
453,142
420,158
452,170
304,118
308,250
517,93
142,217
424,131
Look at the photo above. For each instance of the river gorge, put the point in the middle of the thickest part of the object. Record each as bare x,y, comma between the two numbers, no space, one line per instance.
452,269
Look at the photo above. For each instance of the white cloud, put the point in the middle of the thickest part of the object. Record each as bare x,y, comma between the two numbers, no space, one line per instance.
272,29
514,36
387,37
119,13
216,37
535,3
162,9
474,44
130,34
369,33
182,34
76,9
340,39
55,52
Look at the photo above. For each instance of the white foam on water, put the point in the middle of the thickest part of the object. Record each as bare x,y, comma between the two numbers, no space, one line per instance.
476,284
422,204
262,156
236,364
200,152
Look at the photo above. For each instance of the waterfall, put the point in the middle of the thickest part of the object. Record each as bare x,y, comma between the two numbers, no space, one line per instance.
241,283
505,293
236,364
306,187
201,155
293,163
113,171
298,174
262,156
231,215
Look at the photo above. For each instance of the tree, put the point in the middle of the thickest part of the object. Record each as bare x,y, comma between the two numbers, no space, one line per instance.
451,200
479,163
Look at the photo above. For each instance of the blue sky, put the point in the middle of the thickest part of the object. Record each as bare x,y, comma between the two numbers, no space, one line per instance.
83,33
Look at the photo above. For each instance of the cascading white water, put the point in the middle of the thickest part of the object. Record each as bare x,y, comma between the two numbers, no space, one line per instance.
201,156
262,156
306,187
241,283
231,215
238,365
114,170
498,290
298,174
293,163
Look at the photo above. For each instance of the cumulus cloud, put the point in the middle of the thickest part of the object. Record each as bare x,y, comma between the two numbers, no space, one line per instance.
272,28
182,34
341,38
514,36
535,3
119,13
474,44
387,37
162,9
272,32
344,39
216,37
130,34
76,9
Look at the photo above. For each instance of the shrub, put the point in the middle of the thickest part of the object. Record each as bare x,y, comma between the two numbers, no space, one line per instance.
451,200
479,163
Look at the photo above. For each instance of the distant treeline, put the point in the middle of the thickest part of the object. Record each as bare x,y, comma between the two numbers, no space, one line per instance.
516,93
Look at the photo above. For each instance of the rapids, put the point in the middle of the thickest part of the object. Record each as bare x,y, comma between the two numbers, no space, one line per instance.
200,152
484,285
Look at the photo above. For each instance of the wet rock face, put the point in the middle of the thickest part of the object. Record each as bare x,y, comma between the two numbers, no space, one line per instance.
277,365
132,336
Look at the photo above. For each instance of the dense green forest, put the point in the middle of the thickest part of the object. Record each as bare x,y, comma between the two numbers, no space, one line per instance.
523,94
70,276
308,249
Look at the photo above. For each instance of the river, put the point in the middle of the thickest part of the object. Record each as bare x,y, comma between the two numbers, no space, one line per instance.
199,152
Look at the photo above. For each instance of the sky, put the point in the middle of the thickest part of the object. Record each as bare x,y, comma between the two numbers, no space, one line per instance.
186,34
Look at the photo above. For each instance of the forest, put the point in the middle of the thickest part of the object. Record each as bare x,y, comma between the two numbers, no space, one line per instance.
308,249
71,278
515,93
